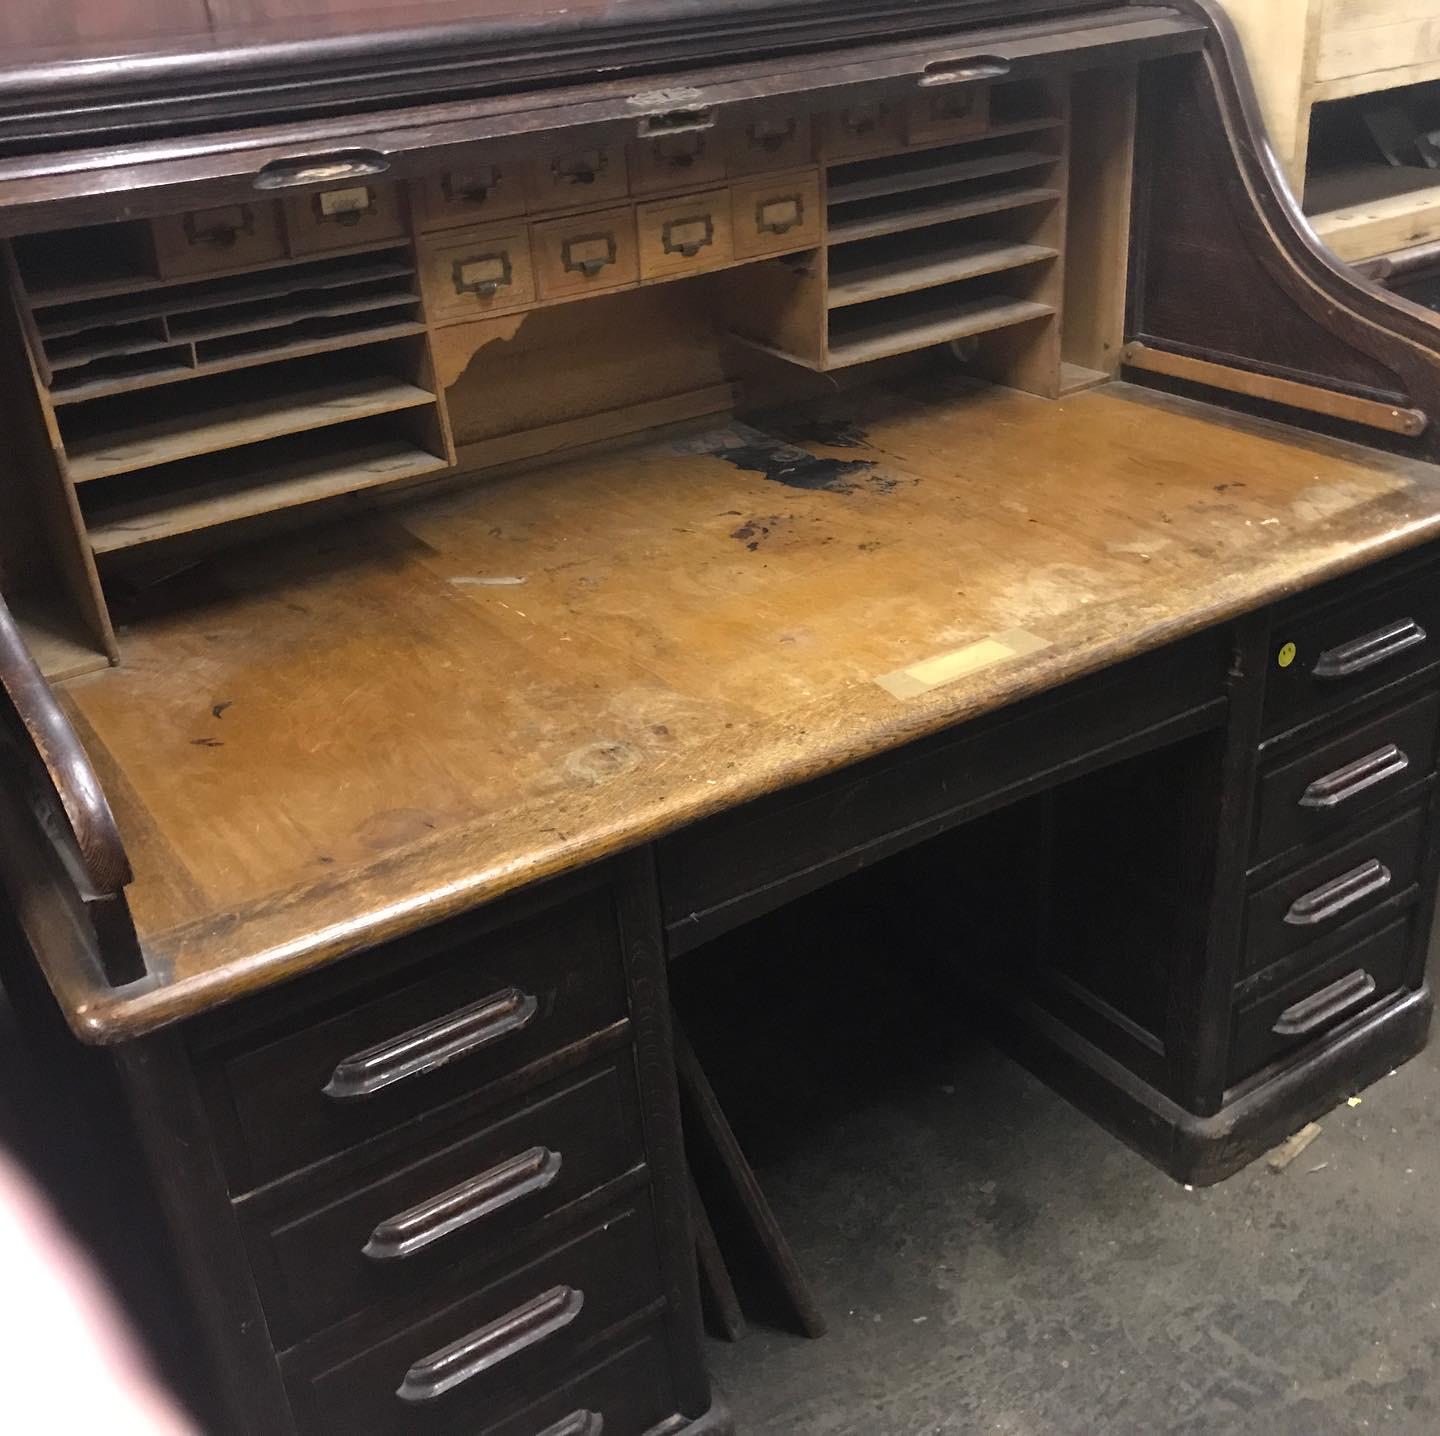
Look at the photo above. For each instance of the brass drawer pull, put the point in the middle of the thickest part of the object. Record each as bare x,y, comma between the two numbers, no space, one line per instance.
321,169
780,216
344,206
219,228
1325,1006
588,254
427,1222
768,136
578,1423
582,168
1355,778
960,72
688,236
483,1350
425,1048
1339,894
864,119
472,188
1361,653
482,274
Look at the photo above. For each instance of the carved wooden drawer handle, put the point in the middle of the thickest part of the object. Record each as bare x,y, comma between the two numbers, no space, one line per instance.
688,236
588,254
779,216
578,1423
1339,894
483,1350
219,228
1355,778
1361,653
423,1049
1313,1013
427,1222
482,274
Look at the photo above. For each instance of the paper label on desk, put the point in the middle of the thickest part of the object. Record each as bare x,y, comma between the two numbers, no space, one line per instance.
932,673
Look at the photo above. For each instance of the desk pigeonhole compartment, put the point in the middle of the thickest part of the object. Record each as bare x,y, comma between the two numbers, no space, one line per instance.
475,1011
499,1348
1340,887
391,1233
1310,797
1321,999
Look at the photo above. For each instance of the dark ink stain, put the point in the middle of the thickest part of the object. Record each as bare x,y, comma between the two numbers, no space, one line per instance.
659,730
796,468
325,858
219,709
869,547
206,743
1234,484
753,532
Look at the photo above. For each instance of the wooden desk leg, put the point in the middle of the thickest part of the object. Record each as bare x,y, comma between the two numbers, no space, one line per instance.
715,1280
697,1094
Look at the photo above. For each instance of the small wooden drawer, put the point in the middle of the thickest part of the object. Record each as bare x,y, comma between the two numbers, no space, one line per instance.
492,1353
472,273
686,235
1334,890
1323,660
774,214
873,129
586,253
343,217
959,112
682,161
481,1006
578,175
495,184
1317,1002
229,236
389,1234
769,142
1313,796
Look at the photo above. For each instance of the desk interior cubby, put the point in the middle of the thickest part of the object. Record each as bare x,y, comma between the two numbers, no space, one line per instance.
201,374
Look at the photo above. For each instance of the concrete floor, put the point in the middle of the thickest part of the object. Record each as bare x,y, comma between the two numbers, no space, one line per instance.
992,1262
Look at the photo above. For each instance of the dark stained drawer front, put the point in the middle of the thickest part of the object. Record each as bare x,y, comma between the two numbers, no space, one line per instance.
1309,798
506,1346
1319,663
830,825
1333,890
1321,1000
478,1012
390,1235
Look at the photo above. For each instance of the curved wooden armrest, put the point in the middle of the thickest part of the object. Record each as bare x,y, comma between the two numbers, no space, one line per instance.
70,788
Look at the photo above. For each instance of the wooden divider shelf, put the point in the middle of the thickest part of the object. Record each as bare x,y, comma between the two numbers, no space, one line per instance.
927,268
903,328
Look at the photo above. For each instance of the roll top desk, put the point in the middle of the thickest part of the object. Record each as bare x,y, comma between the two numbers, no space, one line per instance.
494,506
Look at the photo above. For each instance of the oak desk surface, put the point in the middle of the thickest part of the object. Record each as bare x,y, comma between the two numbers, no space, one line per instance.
320,743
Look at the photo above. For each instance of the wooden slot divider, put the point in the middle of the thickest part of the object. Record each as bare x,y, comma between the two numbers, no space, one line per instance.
42,299
283,319
190,303
230,426
904,274
848,231
903,181
284,486
890,333
328,344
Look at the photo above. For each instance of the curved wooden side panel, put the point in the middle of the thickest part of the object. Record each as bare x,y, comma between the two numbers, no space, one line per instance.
1227,270
48,778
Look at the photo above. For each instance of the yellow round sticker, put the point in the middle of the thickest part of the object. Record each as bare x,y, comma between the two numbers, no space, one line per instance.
1286,656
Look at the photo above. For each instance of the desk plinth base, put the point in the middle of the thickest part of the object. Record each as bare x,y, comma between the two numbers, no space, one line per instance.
1204,1150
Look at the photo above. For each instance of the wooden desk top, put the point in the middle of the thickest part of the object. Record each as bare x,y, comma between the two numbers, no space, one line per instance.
322,743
